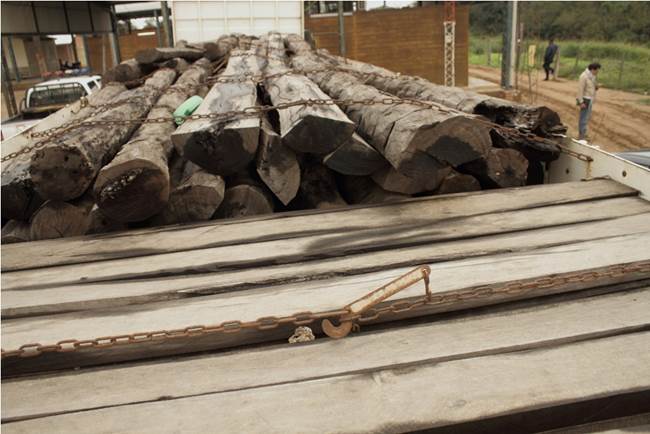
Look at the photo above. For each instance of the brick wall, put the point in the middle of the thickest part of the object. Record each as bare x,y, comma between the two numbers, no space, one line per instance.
407,40
129,44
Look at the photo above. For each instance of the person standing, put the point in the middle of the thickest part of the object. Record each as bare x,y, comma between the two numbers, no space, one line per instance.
549,57
587,87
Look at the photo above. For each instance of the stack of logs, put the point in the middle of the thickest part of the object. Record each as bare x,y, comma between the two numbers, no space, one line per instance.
385,137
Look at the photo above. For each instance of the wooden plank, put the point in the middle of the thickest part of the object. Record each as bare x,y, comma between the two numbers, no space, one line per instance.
461,338
291,225
111,294
393,399
458,277
411,232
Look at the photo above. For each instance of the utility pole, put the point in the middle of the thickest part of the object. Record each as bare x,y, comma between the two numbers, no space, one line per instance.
342,50
508,70
7,88
166,25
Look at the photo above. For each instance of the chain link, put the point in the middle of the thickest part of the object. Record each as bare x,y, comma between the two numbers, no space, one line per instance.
508,290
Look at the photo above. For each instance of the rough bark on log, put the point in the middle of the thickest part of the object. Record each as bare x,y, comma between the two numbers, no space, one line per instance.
456,182
153,55
244,200
401,132
503,168
355,157
212,50
195,198
101,224
391,180
135,184
15,231
58,219
178,64
129,70
19,200
277,165
65,167
318,129
363,190
224,147
318,187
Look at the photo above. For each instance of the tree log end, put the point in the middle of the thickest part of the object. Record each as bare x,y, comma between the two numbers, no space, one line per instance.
61,172
317,135
223,152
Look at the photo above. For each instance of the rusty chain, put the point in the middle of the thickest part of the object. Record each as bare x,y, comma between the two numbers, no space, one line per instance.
509,290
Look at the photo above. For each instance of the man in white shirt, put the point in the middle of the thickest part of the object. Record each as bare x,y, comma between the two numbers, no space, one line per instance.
587,87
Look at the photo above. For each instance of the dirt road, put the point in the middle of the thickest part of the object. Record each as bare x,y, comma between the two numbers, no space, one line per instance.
620,121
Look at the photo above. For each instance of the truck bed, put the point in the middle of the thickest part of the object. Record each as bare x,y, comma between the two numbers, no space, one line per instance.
538,319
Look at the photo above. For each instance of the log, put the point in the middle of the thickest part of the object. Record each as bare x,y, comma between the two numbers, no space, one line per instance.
460,140
244,200
538,119
15,231
355,157
224,147
178,64
153,55
456,182
363,190
66,166
100,224
58,219
135,184
318,187
195,198
277,165
129,70
503,168
19,199
401,133
318,129
391,180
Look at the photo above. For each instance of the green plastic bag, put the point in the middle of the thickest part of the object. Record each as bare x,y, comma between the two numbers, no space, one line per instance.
187,108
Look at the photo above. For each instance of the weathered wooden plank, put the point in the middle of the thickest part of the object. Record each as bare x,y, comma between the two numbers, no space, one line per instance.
480,334
458,277
382,399
291,225
253,255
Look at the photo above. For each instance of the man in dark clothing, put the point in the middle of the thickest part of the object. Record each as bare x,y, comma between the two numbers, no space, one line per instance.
549,57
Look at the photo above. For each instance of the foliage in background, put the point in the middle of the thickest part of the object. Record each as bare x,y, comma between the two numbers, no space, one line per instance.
625,66
601,21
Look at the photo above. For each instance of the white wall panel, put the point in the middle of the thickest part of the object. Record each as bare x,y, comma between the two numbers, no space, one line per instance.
197,21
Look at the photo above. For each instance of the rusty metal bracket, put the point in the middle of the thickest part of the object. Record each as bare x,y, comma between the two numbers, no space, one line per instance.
361,305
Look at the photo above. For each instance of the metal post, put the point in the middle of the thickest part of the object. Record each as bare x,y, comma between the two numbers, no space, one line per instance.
115,39
167,24
12,56
509,46
74,48
7,89
342,50
158,29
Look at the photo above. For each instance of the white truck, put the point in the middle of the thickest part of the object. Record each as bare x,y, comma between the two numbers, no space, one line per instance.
46,98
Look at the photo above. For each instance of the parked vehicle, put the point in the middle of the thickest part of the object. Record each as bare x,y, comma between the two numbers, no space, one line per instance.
45,98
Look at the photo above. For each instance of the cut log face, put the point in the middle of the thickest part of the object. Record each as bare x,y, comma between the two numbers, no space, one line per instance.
460,140
129,70
244,200
196,198
318,187
153,55
19,199
502,168
15,231
100,223
224,147
391,180
65,167
57,219
277,165
355,157
135,184
456,182
363,190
